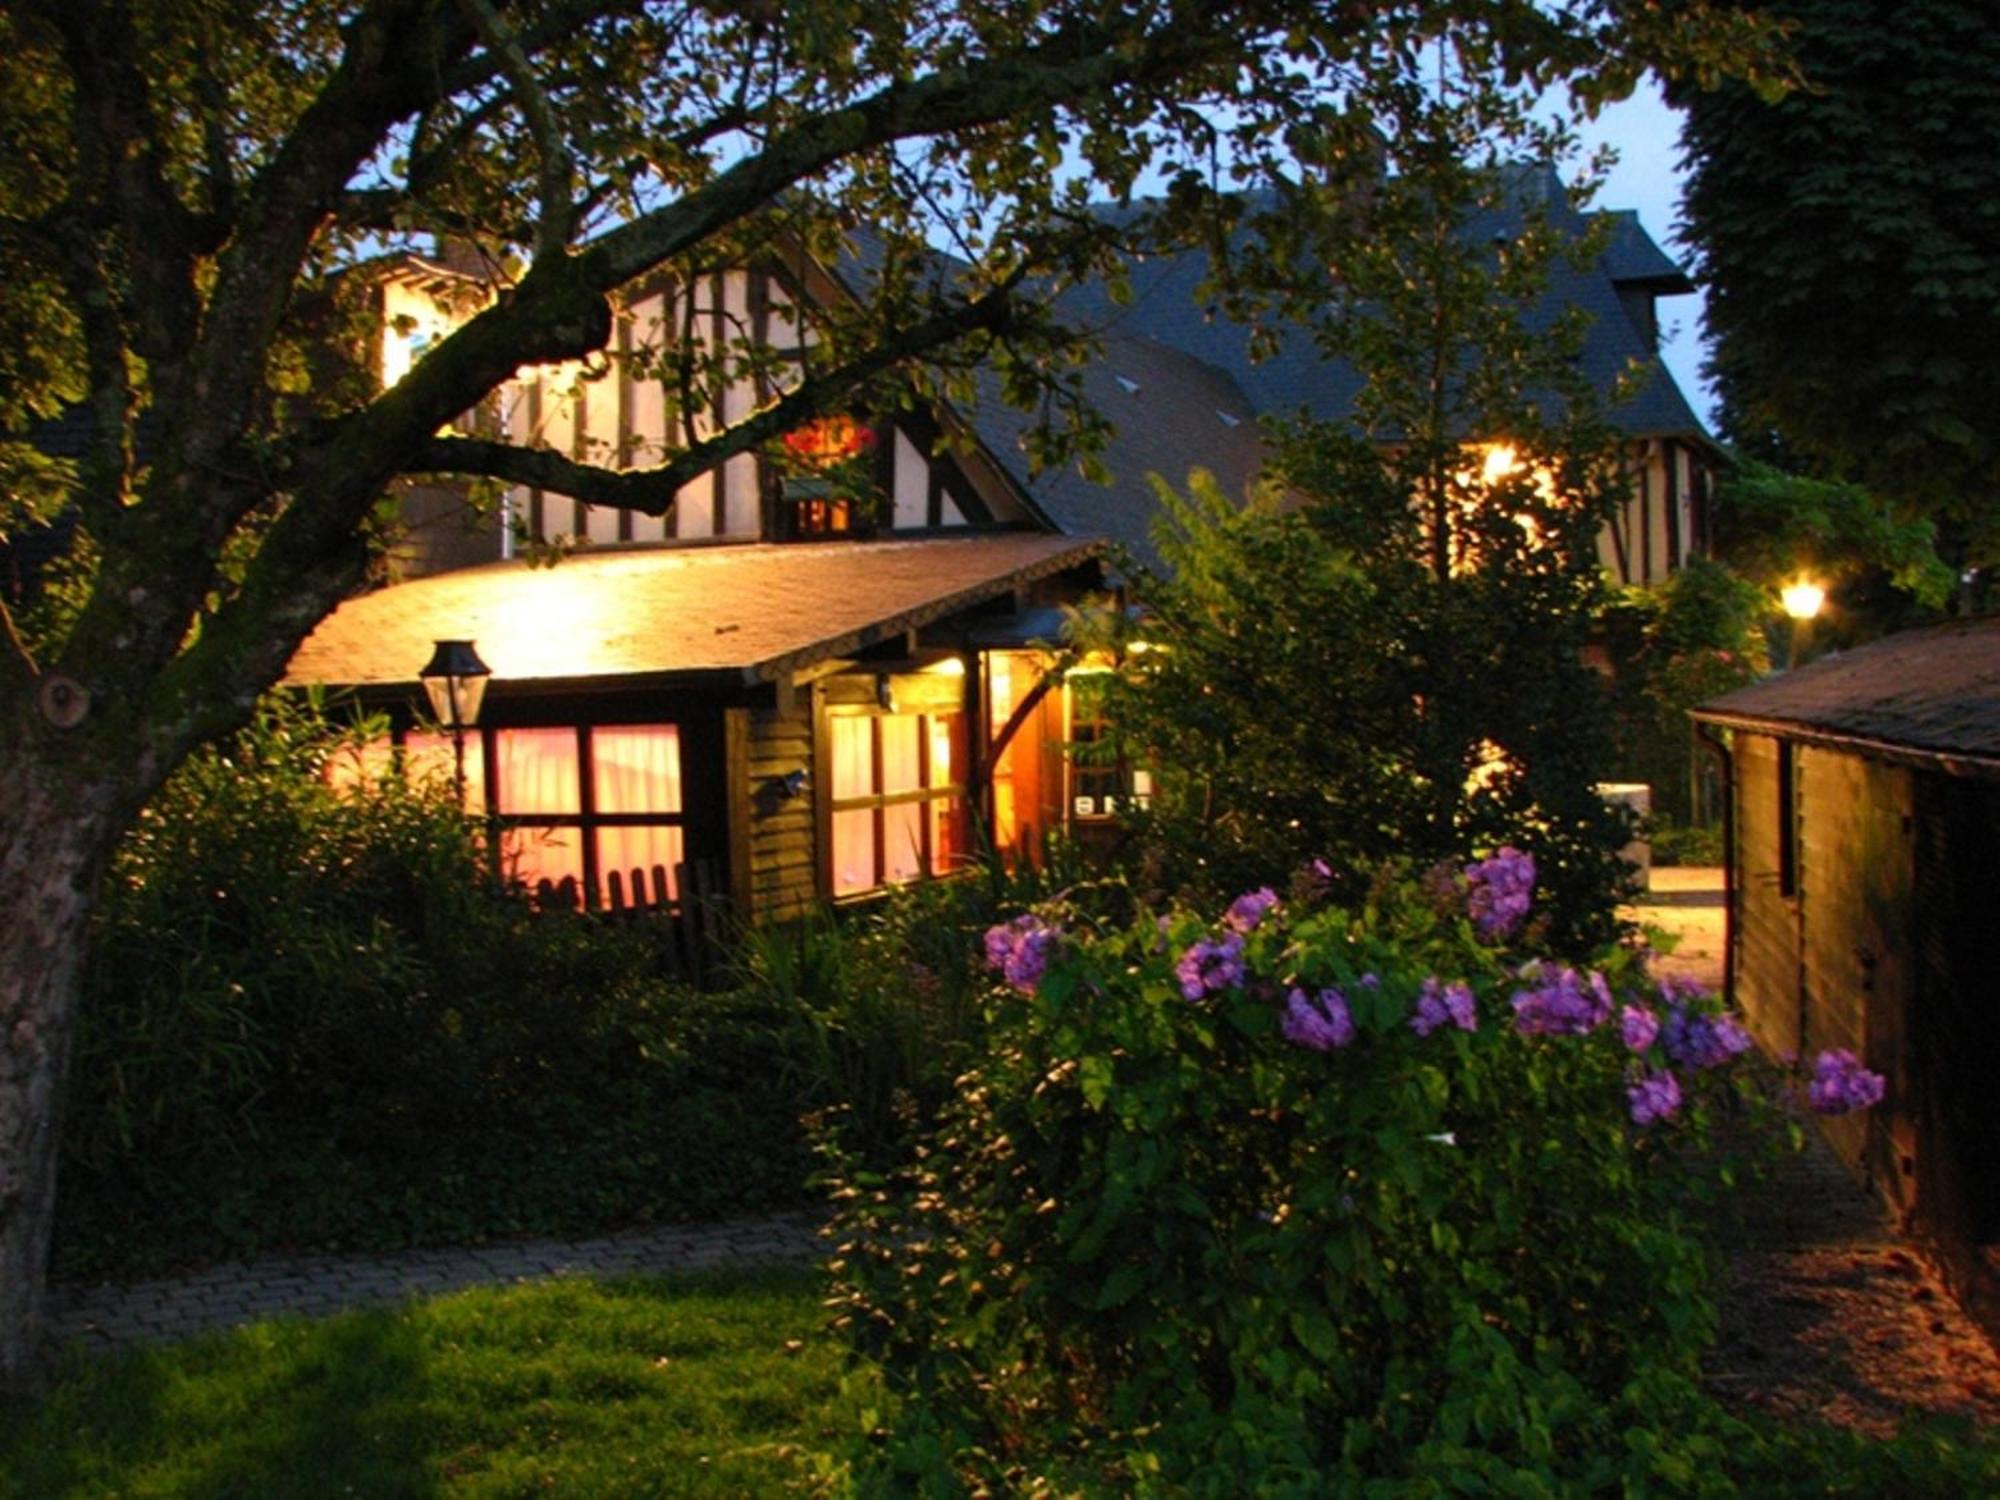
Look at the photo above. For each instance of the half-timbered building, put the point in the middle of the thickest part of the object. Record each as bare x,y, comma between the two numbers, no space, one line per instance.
820,672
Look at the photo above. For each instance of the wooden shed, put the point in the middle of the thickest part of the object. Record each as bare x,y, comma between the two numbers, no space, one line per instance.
1864,911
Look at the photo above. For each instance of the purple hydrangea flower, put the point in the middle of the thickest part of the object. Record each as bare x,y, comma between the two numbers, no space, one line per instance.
1250,908
1563,1003
1700,1042
1444,1004
1638,1024
1677,991
1320,1022
1020,950
1210,966
1499,891
1656,1096
1841,1085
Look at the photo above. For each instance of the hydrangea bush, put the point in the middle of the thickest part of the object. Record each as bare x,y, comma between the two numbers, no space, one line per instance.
1294,1197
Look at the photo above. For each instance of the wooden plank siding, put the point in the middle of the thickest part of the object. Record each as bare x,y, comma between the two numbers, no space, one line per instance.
1765,923
775,833
1856,844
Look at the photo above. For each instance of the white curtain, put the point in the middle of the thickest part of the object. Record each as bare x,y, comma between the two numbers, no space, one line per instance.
637,768
538,771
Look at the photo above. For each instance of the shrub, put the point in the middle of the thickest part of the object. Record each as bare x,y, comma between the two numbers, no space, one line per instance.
1300,1198
888,1000
311,1018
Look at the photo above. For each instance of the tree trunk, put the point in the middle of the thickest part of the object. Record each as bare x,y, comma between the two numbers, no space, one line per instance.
56,831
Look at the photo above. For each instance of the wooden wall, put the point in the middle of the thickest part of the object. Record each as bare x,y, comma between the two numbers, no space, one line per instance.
1953,1052
1856,882
1765,923
772,837
1830,964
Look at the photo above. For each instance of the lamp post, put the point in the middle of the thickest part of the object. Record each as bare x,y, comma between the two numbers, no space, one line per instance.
455,681
1802,599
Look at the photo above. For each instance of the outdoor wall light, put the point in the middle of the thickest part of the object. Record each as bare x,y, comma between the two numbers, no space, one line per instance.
793,784
1802,600
455,681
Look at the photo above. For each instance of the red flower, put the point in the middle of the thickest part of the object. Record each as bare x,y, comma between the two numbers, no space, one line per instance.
829,440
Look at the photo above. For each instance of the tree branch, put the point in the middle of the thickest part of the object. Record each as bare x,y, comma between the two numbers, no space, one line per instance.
389,66
651,491
558,216
1075,62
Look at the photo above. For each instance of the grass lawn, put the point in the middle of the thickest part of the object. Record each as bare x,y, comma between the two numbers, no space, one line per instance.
707,1386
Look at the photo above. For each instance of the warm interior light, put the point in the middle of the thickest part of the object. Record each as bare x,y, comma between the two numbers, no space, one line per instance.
951,666
1802,599
1500,461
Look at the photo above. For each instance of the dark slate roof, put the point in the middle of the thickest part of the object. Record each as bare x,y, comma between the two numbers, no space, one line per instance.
1190,363
745,614
1170,413
1633,259
1298,377
1931,694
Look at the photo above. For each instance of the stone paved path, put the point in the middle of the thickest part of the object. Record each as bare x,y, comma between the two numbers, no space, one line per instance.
113,1316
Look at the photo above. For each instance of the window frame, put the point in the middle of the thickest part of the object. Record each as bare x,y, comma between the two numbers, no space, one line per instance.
1119,772
593,893
878,801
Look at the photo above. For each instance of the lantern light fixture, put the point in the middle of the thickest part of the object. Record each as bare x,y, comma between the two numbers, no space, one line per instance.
455,682
1802,598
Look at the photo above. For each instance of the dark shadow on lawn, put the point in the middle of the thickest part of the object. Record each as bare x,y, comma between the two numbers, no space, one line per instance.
326,1408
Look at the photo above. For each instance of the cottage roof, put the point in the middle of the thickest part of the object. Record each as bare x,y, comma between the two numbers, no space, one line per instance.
1931,694
1199,390
746,613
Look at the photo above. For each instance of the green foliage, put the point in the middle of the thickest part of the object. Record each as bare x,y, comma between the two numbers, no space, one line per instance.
1383,657
1772,527
1671,646
1311,701
311,1018
1155,1246
1847,236
887,1002
1673,844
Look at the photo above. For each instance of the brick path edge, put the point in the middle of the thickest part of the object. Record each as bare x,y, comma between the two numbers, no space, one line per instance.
118,1315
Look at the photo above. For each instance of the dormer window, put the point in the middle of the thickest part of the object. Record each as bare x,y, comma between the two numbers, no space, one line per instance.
827,487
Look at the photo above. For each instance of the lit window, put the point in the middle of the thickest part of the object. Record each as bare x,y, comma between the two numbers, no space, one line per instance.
621,846
897,811
1101,784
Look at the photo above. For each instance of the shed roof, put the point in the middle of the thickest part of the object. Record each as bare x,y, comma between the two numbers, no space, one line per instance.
1932,694
739,613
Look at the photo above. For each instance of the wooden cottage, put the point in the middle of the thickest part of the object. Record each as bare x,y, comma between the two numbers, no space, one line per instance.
817,675
1864,872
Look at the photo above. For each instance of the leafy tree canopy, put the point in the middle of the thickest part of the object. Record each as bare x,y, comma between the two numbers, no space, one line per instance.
191,186
1772,526
1849,234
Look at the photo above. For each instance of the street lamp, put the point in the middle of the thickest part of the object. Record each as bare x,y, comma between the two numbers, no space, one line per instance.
1802,599
455,680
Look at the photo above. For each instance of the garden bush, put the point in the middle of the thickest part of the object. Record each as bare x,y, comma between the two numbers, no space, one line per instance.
888,1000
311,1017
1306,1199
